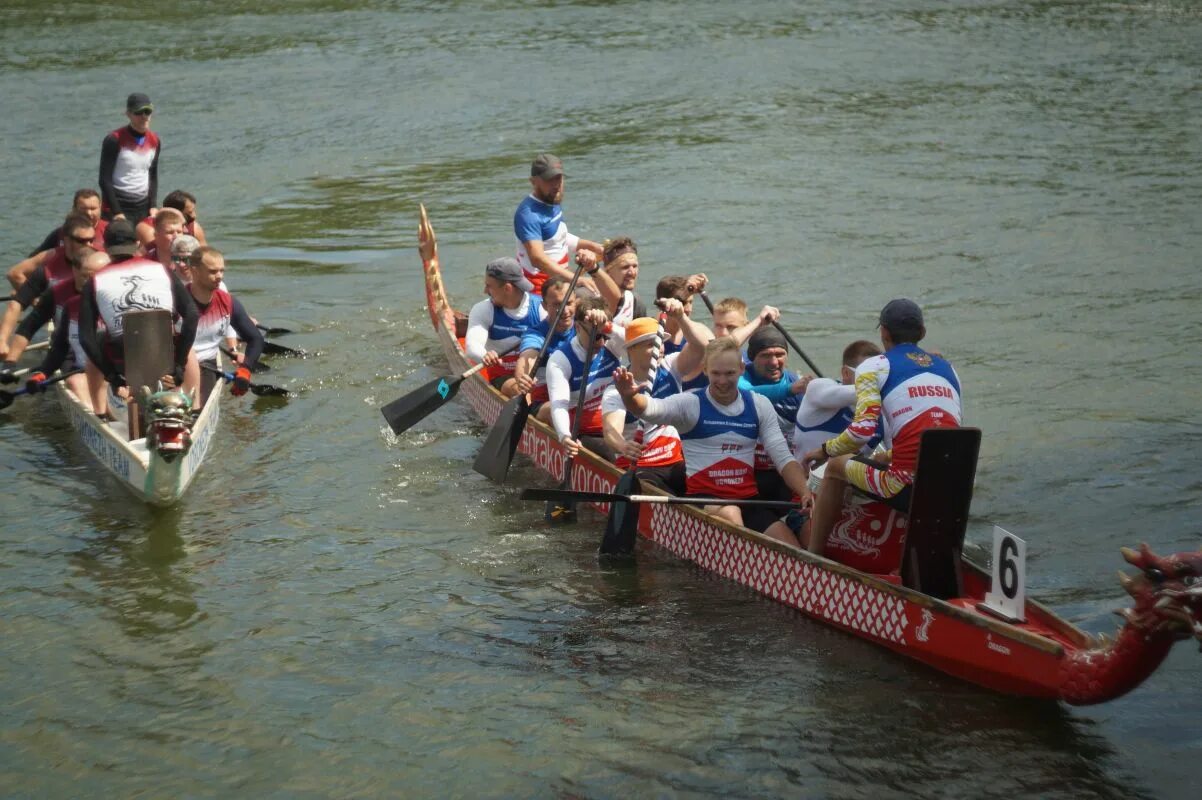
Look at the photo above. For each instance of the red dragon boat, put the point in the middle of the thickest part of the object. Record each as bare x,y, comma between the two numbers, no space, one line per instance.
934,613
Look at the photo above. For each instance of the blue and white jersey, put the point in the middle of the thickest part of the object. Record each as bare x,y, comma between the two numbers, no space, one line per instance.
565,373
826,410
537,221
490,327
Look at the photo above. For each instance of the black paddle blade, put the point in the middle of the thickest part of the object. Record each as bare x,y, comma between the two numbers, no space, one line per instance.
6,399
273,349
263,390
273,331
404,412
497,453
622,526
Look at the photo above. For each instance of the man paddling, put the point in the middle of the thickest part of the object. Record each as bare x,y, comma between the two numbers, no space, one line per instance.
78,234
61,302
497,324
720,427
768,375
85,202
185,204
168,224
220,316
568,375
560,325
901,393
544,245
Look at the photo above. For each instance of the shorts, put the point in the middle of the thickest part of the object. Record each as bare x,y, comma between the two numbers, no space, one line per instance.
670,478
498,381
881,482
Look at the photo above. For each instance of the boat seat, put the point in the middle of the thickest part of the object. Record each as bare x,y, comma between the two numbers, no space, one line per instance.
938,518
460,325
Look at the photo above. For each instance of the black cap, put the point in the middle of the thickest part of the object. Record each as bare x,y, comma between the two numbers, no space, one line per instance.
546,166
510,271
901,314
138,101
119,238
764,338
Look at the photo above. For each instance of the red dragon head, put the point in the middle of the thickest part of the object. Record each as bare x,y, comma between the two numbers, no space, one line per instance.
1167,592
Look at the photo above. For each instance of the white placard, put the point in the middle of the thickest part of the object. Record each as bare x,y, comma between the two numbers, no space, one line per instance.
1008,595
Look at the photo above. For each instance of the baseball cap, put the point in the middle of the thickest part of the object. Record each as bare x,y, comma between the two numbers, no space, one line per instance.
546,166
138,101
510,271
640,330
900,314
119,238
764,338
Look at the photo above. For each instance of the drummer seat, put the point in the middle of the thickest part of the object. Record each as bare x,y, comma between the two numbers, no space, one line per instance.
939,501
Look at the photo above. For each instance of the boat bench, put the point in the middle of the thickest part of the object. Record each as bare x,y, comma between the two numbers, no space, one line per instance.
938,517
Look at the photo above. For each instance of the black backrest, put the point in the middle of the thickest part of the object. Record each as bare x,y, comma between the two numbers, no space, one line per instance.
939,501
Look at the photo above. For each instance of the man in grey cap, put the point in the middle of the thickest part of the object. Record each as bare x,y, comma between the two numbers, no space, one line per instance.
129,164
495,325
900,393
545,247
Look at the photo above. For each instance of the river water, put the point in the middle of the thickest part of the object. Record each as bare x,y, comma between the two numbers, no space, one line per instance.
332,612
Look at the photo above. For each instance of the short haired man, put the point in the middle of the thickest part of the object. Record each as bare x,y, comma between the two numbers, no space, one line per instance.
496,325
730,314
560,324
220,316
168,224
719,428
900,394
85,202
544,245
184,203
129,164
768,374
568,375
78,234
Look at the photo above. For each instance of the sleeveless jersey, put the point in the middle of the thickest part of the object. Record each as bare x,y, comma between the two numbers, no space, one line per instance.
56,267
213,325
719,451
600,375
537,221
134,285
131,173
533,340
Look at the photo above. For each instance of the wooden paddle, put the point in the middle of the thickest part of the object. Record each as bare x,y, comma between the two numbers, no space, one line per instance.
496,454
564,510
6,398
404,412
817,372
260,389
612,497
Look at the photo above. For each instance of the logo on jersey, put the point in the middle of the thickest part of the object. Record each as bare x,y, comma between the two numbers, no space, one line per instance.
135,299
921,359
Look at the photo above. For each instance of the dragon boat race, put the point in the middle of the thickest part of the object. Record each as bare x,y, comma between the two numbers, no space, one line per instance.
600,399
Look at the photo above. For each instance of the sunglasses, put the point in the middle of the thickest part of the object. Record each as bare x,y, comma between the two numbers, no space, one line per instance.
81,239
143,112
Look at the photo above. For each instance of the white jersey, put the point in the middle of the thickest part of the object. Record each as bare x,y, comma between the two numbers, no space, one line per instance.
134,285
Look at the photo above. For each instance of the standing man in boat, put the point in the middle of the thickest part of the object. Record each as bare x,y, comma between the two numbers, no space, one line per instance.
220,316
901,393
545,247
497,324
129,164
134,284
720,427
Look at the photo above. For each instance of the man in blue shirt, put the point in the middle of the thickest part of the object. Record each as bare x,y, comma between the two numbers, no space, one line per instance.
545,247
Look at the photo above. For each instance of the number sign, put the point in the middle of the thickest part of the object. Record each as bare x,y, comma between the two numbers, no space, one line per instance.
1008,595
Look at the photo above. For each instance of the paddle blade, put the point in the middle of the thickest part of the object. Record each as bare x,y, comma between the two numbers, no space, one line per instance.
6,398
404,412
560,512
263,390
497,453
273,331
621,528
273,349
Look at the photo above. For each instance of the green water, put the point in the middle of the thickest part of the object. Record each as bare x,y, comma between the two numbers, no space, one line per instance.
331,612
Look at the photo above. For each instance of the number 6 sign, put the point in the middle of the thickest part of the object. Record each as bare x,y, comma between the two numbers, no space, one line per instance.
1008,596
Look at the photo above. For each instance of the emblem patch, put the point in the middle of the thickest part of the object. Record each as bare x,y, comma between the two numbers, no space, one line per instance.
921,359
444,389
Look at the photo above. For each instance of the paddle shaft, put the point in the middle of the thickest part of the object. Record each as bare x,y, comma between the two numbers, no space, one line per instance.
6,398
612,497
261,389
817,372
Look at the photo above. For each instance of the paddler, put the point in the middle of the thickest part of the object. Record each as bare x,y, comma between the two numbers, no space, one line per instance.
78,233
528,376
567,372
498,323
61,302
85,202
220,317
719,428
168,224
185,204
544,245
901,393
767,374
656,449
134,284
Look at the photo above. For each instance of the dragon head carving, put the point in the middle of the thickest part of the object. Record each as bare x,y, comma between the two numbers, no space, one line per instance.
1167,592
168,421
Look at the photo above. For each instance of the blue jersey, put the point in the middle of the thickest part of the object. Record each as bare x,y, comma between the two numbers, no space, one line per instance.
536,221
